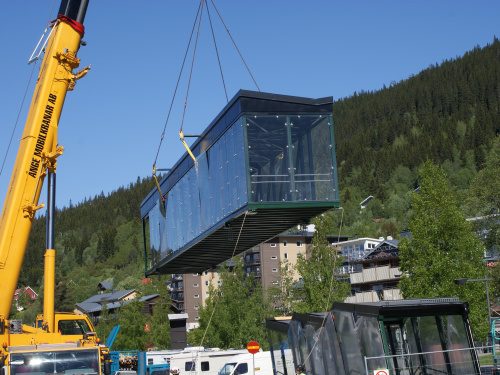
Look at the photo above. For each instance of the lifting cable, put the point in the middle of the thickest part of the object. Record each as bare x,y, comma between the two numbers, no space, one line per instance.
329,295
22,102
172,102
217,52
181,134
242,59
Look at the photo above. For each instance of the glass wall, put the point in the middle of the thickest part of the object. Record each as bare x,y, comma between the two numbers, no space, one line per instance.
207,193
291,158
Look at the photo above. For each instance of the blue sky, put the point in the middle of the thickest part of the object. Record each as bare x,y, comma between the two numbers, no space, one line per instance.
112,122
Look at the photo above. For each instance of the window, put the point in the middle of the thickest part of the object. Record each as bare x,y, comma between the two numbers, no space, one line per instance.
195,285
299,255
275,282
285,243
286,255
150,361
197,318
205,366
196,296
189,366
274,257
196,307
219,283
207,294
206,273
299,243
273,245
241,369
275,270
206,283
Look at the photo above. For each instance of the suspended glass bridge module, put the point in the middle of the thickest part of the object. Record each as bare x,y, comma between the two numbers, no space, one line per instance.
264,165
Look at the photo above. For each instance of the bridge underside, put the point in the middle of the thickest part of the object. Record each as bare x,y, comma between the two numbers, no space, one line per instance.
244,230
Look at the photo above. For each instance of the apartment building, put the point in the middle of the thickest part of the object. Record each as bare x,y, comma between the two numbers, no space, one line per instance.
377,274
189,291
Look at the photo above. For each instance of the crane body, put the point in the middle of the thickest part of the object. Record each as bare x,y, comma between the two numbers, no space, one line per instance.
56,335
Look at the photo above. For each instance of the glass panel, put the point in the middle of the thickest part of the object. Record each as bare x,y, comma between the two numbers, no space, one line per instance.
368,332
203,186
223,142
173,212
240,165
334,346
428,335
312,158
185,206
215,172
351,351
456,338
314,355
231,187
51,362
268,158
157,231
295,335
411,327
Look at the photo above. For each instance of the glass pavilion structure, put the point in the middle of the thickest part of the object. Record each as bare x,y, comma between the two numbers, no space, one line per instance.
405,337
265,164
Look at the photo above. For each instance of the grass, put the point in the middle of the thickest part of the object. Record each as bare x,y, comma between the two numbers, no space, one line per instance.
486,360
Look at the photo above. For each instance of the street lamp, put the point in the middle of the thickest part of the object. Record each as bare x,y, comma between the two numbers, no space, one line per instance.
463,281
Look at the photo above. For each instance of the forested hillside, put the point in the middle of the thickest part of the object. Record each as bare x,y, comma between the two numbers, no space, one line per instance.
448,113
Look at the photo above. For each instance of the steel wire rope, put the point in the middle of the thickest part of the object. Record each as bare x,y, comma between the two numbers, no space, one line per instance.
329,295
230,36
192,65
216,51
22,101
177,85
218,296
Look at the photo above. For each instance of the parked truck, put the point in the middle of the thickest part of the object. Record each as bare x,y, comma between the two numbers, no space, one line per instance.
252,364
202,361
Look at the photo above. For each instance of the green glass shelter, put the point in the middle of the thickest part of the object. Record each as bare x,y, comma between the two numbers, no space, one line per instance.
265,164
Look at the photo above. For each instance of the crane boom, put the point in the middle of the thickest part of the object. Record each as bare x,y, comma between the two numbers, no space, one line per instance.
38,149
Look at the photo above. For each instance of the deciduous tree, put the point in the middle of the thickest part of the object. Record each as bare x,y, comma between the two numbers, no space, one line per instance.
442,248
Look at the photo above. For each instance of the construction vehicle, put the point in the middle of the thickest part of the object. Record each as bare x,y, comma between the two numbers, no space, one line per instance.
62,342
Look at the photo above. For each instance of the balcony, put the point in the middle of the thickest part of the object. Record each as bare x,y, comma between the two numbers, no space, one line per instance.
369,275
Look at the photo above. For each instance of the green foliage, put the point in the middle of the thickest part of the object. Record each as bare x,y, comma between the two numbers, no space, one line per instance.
234,312
319,287
443,247
159,335
131,320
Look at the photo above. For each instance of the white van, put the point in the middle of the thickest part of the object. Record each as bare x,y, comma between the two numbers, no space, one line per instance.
200,361
244,364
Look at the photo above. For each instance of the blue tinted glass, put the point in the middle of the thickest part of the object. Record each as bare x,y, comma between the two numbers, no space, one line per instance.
215,173
225,183
203,186
232,187
240,167
185,225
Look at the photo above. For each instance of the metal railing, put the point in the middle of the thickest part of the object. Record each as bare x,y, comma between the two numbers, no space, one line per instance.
440,362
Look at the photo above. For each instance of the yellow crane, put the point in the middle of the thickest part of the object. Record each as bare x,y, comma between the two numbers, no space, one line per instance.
61,342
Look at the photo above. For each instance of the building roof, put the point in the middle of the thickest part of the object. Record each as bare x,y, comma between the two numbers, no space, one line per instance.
91,307
385,249
105,285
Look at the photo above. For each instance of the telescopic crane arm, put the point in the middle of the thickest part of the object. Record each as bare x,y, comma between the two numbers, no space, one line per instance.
38,150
